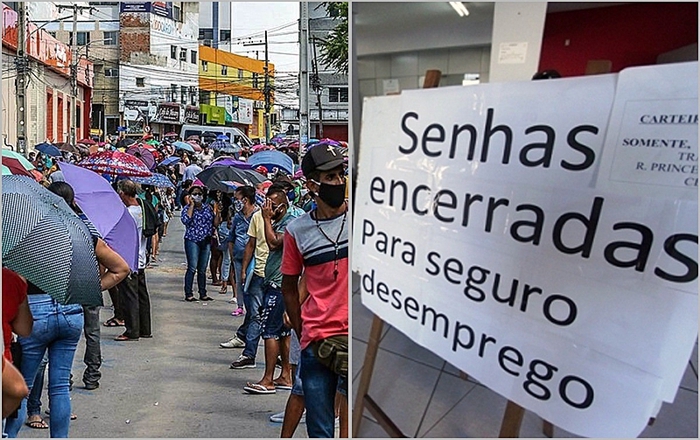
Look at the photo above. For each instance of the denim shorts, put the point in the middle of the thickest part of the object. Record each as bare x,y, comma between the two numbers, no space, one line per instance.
297,387
272,317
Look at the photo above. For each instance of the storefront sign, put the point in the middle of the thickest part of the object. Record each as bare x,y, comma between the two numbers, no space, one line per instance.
168,113
164,9
484,232
135,103
192,115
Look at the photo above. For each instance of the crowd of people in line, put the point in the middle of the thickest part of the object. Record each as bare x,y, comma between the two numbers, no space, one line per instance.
280,248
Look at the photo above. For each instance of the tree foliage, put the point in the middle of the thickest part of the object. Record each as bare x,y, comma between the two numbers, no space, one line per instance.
334,48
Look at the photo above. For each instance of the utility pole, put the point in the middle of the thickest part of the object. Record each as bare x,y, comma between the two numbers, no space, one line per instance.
267,90
22,63
316,85
303,77
74,66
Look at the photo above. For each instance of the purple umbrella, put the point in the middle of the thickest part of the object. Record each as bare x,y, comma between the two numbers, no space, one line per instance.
105,209
227,161
142,153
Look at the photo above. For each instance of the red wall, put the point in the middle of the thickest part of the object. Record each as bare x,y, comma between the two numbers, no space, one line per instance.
628,35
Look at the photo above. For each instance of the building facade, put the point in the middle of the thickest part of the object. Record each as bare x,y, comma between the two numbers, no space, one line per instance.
328,89
232,90
158,67
215,25
48,92
97,38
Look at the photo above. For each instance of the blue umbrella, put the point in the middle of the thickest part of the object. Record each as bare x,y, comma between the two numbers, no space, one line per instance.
183,146
271,159
225,147
48,149
157,179
169,161
222,137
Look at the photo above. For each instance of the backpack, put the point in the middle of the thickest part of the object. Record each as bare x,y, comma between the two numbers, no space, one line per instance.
151,221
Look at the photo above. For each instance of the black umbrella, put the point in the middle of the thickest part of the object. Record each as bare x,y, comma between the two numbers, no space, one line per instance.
124,143
213,177
47,243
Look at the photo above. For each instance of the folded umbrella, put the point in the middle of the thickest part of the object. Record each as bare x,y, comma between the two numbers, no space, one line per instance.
105,209
48,149
271,159
213,177
115,163
47,243
157,180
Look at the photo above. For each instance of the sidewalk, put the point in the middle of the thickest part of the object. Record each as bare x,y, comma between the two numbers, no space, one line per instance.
425,396
177,384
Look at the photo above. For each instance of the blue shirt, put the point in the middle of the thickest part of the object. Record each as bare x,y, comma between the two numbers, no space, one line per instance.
239,233
200,225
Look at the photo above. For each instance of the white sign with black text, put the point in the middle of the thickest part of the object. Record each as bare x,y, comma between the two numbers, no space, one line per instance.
482,234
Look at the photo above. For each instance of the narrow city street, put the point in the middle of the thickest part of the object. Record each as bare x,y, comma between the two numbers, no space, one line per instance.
177,384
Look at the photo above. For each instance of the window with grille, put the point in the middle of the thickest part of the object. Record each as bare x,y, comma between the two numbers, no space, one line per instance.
173,52
193,57
183,94
111,72
205,66
183,54
110,38
337,94
82,40
224,70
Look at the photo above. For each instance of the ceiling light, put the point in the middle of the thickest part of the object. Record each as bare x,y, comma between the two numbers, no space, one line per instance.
460,8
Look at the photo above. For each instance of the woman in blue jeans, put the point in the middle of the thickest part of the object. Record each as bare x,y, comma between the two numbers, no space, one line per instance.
57,328
198,219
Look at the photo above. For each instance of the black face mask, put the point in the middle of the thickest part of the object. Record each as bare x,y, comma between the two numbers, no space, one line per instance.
332,195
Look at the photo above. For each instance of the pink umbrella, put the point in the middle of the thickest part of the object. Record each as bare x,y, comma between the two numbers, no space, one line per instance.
87,141
115,163
195,145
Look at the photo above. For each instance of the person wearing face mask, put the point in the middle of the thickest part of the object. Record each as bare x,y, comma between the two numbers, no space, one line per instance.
244,207
276,215
198,219
316,244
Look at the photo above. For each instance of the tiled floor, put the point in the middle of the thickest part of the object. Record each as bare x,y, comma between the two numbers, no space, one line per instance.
426,397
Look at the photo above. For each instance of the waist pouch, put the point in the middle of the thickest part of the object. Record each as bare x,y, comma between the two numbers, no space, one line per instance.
333,353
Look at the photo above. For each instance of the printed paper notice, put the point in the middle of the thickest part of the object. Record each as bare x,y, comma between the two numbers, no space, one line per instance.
512,53
651,149
391,86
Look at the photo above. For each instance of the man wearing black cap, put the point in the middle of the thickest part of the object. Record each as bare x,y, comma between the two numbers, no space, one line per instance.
317,245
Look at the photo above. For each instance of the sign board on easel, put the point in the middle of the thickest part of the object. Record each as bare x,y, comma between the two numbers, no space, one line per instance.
505,228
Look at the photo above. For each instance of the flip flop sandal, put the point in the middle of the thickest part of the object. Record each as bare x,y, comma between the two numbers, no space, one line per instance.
37,424
281,386
256,388
112,323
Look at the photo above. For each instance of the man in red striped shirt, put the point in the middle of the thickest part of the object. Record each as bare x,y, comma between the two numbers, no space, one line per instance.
316,244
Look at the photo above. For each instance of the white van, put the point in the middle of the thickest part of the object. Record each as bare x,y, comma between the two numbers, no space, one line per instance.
234,134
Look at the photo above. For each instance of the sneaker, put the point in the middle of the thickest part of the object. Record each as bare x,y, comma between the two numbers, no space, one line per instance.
243,362
234,342
238,312
233,301
279,417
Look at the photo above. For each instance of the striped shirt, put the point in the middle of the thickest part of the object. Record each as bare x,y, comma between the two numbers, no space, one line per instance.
306,248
